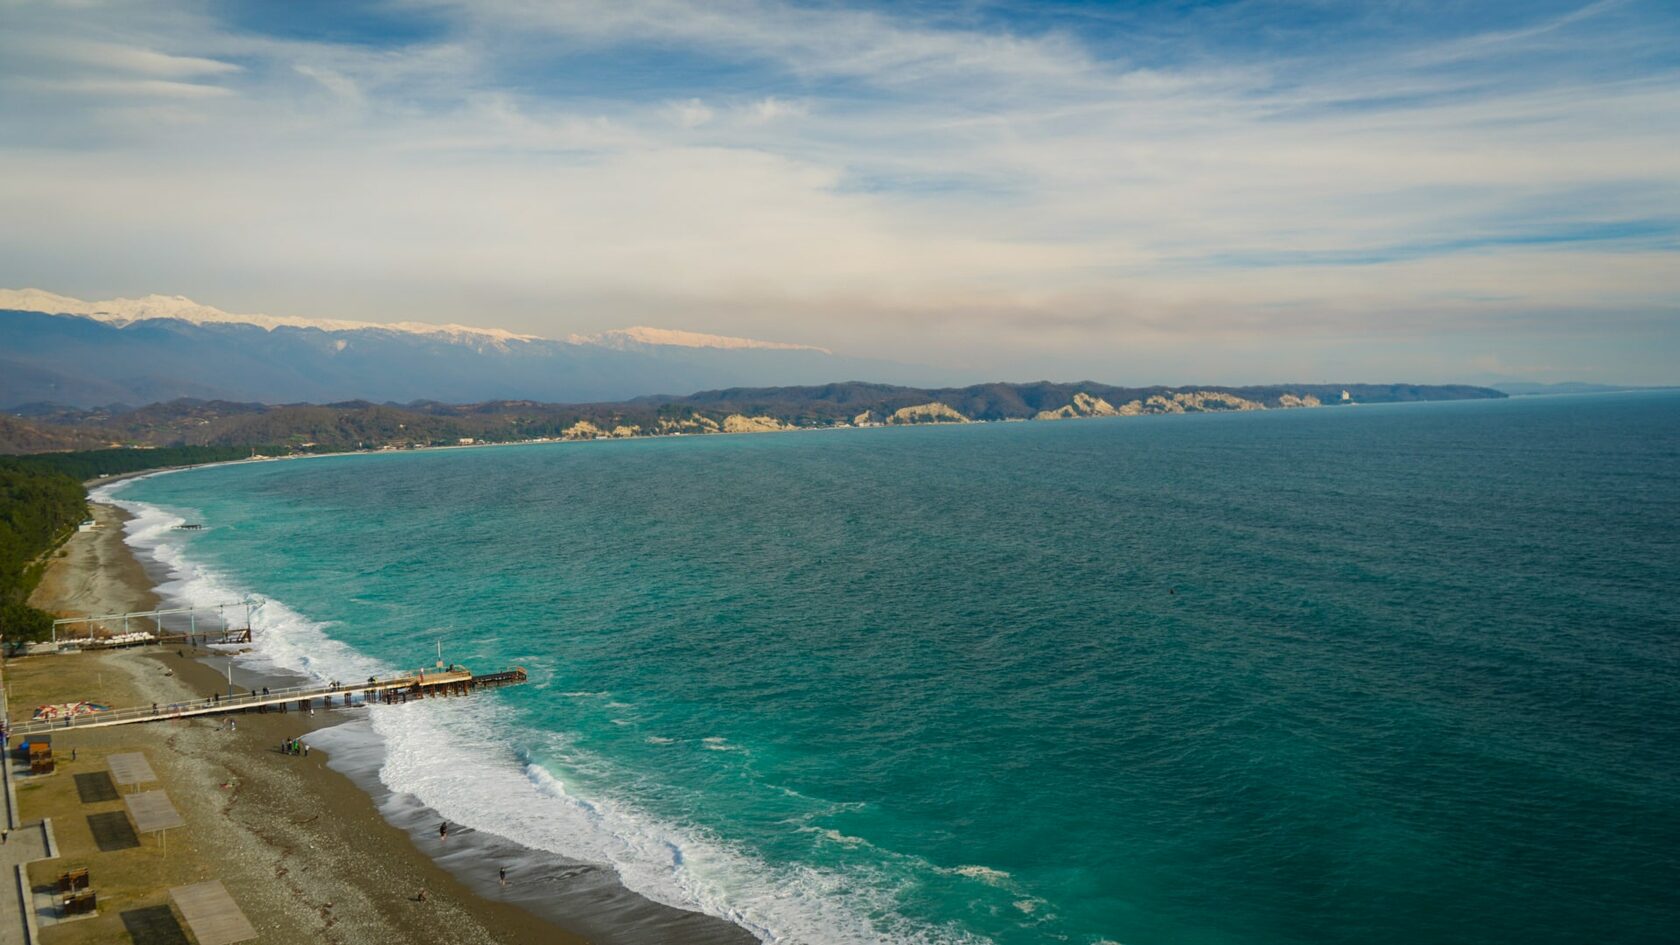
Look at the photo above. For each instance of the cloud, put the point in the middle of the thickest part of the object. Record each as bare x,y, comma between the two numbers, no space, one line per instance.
118,57
340,85
120,88
961,188
770,109
692,113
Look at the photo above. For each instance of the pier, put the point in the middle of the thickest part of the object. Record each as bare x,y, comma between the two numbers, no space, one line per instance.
386,690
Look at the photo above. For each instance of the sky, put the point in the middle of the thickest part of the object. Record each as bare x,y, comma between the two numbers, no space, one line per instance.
1168,192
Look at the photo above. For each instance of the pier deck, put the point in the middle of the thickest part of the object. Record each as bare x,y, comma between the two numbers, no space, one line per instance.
387,690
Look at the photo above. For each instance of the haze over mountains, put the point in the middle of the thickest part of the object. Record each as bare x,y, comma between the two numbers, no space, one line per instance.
135,351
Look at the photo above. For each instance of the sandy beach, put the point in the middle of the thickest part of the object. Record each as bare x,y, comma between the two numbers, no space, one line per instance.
305,853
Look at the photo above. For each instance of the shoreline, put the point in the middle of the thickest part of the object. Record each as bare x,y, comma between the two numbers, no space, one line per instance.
102,481
343,852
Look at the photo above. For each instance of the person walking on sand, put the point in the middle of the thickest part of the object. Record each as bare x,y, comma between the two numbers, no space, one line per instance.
503,877
422,896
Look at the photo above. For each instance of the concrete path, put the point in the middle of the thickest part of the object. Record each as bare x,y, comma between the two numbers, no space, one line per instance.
24,845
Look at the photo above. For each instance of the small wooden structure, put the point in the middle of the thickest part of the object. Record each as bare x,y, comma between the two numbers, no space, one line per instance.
85,902
73,880
40,755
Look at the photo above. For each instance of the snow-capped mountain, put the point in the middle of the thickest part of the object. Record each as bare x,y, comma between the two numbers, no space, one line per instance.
121,312
640,335
55,348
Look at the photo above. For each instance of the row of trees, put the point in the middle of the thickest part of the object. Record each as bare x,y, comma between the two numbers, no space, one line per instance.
91,464
38,508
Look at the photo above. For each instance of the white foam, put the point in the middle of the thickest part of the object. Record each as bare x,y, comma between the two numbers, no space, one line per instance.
456,760
983,873
835,836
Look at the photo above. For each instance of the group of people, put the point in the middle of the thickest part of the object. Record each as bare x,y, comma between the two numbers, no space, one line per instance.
295,746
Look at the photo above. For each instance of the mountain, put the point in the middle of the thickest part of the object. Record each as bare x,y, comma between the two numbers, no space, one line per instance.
135,351
362,425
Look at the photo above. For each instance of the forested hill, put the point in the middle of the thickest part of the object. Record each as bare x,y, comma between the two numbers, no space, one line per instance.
45,428
38,509
1025,401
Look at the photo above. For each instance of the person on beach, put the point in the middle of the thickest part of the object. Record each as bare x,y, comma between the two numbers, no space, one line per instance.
503,877
422,896
443,830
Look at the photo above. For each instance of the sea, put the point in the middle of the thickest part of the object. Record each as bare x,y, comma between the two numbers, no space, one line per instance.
1372,674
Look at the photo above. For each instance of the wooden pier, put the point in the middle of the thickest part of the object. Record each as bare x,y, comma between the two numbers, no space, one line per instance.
387,690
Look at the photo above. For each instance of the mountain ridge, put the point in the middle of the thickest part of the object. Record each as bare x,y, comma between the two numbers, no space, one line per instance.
123,312
160,348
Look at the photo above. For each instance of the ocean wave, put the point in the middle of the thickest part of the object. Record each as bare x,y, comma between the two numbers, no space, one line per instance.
835,836
282,639
457,760
983,873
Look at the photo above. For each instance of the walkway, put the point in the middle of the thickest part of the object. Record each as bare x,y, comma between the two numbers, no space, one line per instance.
23,846
399,688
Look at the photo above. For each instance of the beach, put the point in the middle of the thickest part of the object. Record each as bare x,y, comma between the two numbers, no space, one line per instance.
304,852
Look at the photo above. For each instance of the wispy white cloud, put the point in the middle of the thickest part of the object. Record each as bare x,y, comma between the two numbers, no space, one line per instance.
771,109
692,113
118,57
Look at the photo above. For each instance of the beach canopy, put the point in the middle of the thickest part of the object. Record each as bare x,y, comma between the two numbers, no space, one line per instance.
152,811
130,768
214,917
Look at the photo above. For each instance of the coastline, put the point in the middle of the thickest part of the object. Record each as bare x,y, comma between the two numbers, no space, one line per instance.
316,848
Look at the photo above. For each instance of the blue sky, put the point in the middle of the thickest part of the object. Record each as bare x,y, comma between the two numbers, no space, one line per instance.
1147,192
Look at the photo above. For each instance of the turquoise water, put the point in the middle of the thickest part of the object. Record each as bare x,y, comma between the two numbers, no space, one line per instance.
1401,674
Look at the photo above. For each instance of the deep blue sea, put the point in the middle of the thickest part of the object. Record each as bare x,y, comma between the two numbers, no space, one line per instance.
1390,674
